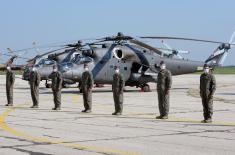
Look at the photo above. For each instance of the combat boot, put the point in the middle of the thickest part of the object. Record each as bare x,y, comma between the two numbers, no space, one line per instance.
162,117
117,113
114,113
9,105
86,111
34,106
159,117
207,121
56,108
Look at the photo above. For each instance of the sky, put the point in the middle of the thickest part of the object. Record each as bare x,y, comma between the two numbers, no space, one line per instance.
48,21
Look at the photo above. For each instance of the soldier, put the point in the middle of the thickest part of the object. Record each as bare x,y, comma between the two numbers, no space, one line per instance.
207,90
87,85
56,78
117,87
10,79
34,81
164,81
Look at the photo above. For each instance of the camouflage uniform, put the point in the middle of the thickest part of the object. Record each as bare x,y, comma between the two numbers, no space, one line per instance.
56,79
117,87
34,82
87,85
10,80
164,81
207,90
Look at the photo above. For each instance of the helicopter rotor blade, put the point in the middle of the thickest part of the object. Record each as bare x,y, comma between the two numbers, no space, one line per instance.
232,38
39,56
183,52
142,44
14,55
187,39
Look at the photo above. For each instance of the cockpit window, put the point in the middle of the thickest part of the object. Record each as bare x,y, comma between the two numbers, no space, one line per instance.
79,59
45,62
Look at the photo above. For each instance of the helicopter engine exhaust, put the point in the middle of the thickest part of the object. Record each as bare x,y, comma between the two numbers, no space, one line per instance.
122,55
89,53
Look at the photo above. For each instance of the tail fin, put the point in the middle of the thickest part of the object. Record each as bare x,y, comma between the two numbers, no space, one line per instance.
219,55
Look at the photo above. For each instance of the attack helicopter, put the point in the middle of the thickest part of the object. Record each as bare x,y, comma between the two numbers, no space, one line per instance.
44,63
40,61
138,61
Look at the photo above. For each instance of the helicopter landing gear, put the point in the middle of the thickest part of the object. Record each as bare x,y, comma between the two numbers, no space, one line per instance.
145,88
48,85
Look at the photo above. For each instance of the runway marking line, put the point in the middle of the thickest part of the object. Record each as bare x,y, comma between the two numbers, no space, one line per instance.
16,133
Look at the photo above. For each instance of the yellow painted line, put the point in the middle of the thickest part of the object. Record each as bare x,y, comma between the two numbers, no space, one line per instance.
16,133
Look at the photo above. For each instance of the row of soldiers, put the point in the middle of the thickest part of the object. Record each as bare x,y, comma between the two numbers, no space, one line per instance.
57,80
164,82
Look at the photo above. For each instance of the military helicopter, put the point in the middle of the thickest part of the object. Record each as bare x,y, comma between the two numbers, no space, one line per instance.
138,61
44,63
38,61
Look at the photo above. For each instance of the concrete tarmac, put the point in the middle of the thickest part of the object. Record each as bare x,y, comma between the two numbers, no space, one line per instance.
68,131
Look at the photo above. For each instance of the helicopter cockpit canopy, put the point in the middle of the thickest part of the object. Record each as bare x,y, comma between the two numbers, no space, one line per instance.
46,62
81,59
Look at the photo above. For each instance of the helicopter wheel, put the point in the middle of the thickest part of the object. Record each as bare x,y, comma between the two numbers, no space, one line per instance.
146,88
48,85
80,90
64,85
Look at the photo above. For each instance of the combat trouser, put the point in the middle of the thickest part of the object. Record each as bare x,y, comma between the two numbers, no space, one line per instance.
57,98
87,99
9,90
207,103
34,95
163,103
118,102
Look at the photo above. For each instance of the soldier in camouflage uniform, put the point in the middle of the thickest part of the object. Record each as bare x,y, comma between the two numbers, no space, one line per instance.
164,81
207,90
56,85
10,80
34,81
87,85
117,87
